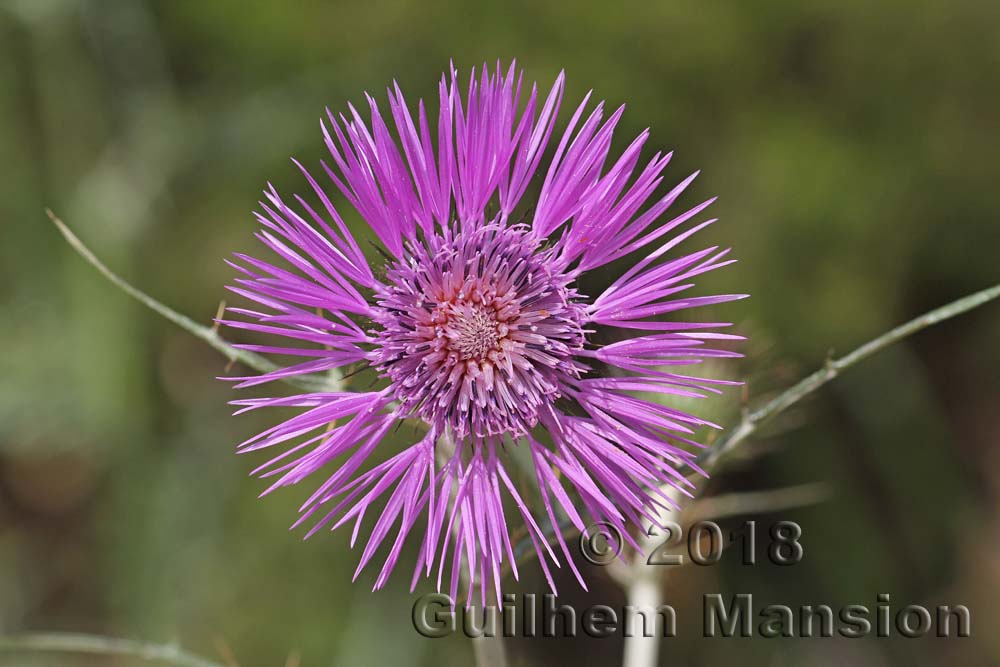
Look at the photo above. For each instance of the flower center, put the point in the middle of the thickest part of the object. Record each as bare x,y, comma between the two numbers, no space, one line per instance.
473,330
477,334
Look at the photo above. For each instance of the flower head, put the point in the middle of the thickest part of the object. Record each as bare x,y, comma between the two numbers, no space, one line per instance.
474,328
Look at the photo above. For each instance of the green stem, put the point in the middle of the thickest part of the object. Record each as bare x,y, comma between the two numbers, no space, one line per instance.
58,642
207,334
834,367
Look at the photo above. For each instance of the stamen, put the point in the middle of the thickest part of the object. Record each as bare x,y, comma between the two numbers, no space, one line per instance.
462,348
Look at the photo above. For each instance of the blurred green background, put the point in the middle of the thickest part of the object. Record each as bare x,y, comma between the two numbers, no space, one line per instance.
853,145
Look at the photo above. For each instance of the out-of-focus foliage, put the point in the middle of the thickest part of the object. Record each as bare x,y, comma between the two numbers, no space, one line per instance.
854,148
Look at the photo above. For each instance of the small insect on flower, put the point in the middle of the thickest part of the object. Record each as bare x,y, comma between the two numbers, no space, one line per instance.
472,326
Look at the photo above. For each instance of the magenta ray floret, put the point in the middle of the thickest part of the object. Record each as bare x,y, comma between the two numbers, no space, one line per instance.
474,325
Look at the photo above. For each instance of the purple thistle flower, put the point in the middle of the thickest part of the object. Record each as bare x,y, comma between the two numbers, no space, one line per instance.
475,328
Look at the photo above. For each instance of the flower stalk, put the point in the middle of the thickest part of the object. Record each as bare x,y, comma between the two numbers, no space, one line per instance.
66,642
